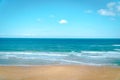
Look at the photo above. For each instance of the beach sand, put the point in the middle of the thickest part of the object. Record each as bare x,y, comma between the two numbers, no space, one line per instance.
63,72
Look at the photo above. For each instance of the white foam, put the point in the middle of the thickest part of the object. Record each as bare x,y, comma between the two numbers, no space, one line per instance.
31,55
71,61
117,49
116,45
94,54
83,57
52,54
34,53
87,63
101,54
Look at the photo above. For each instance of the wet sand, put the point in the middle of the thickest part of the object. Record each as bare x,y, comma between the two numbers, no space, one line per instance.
59,73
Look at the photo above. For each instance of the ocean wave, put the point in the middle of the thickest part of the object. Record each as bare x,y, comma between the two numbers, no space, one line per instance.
62,54
34,53
102,54
116,45
83,57
117,49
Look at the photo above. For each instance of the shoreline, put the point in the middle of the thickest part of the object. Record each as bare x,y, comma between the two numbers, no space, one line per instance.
112,66
59,72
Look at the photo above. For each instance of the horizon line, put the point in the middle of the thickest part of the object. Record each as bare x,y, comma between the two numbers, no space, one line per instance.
56,38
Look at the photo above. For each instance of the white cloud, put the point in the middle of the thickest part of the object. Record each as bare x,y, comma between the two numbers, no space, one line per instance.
112,9
63,21
111,5
118,8
105,12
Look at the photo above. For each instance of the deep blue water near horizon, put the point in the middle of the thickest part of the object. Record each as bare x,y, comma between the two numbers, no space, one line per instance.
36,51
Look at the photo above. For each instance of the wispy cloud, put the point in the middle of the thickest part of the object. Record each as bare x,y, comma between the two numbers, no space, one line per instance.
88,11
106,12
112,9
111,5
63,21
118,8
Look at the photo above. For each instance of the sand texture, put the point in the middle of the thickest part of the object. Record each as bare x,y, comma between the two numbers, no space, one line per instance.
59,73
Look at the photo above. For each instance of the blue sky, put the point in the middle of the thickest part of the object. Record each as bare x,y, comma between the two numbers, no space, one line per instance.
60,18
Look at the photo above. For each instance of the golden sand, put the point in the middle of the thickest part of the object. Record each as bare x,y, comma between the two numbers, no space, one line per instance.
59,73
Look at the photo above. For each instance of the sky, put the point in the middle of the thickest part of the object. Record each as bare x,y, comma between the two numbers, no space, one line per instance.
60,18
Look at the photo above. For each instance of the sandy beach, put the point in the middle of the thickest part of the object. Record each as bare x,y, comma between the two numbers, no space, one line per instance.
59,73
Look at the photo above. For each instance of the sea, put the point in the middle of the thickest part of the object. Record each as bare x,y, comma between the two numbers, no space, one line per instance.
59,51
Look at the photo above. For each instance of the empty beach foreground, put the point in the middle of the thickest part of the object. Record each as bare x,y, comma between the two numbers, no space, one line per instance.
59,73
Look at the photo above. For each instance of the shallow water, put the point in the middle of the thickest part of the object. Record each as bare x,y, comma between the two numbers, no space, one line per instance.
31,51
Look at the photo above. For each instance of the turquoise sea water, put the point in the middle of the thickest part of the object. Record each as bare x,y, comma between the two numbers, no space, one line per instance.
34,51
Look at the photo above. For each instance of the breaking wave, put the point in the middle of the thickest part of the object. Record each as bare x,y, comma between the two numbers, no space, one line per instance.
46,58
